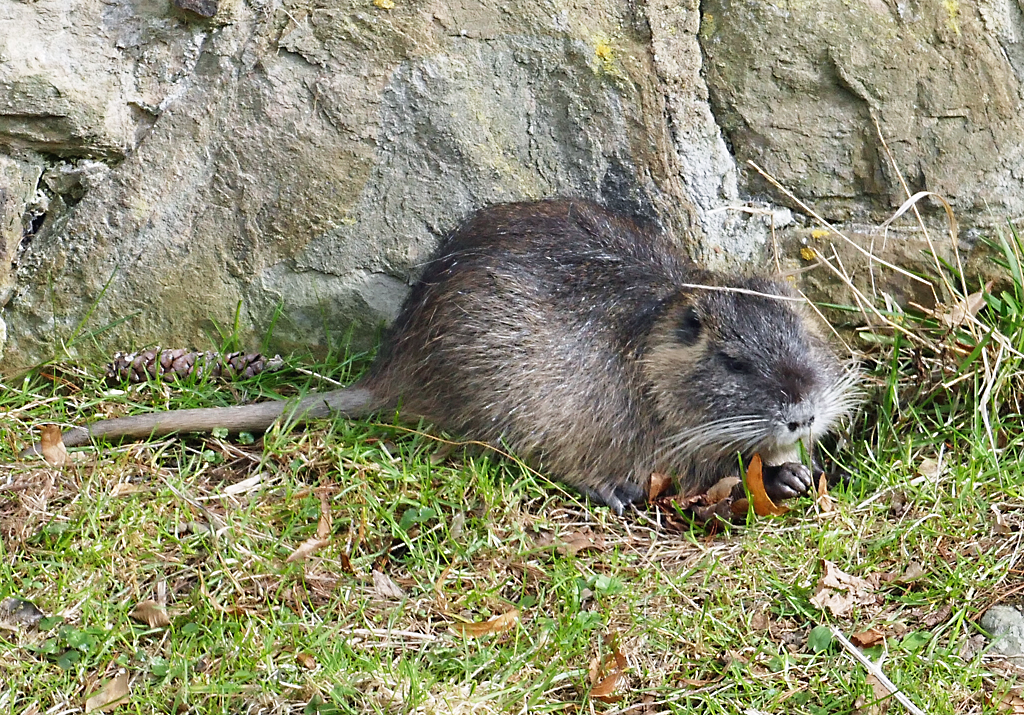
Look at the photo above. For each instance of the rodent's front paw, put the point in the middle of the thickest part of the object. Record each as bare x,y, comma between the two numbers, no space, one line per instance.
785,481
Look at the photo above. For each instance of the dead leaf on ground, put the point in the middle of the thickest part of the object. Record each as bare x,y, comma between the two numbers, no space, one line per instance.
763,506
722,489
306,661
110,695
1008,703
957,315
824,500
868,638
838,592
52,446
494,624
659,484
580,541
306,549
326,522
760,621
721,511
740,507
717,507
936,617
1001,525
385,587
605,673
151,613
877,703
930,470
914,572
123,489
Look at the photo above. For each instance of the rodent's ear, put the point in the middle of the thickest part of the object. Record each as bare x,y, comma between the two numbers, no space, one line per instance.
689,327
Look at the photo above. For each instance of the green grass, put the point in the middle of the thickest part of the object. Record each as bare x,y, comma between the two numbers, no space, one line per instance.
715,624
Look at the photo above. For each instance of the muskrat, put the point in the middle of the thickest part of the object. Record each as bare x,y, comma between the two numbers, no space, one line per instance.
589,347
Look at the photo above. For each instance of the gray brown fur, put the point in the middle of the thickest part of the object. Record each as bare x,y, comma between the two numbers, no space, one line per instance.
574,338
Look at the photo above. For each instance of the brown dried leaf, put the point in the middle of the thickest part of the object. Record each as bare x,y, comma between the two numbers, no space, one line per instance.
580,541
52,446
110,695
839,592
722,489
929,468
763,506
385,587
306,549
1001,526
971,306
824,500
914,572
123,489
604,675
306,661
721,511
840,603
868,638
760,621
151,613
1008,703
494,624
323,527
936,617
659,483
879,701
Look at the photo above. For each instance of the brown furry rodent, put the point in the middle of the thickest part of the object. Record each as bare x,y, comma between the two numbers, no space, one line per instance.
588,347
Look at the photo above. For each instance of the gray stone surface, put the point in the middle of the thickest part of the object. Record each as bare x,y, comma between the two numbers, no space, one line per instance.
168,177
798,88
1006,625
301,160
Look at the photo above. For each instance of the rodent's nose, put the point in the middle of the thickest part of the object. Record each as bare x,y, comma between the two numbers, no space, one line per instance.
802,425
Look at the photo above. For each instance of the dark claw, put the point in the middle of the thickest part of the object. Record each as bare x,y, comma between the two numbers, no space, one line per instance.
839,477
616,497
785,481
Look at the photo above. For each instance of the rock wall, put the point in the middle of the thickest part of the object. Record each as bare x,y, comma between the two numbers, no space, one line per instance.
173,173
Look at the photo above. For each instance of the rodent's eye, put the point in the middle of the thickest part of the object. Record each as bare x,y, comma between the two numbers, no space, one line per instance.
689,327
735,365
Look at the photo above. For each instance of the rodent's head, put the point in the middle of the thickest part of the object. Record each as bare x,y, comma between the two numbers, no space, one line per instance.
742,369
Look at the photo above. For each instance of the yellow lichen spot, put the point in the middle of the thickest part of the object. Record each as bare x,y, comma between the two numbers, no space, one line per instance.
808,254
604,53
819,233
953,14
707,26
385,4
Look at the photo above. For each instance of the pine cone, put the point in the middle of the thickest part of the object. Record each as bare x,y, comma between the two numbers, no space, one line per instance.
146,365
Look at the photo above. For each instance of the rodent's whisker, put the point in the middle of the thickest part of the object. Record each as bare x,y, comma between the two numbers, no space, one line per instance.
741,424
743,291
725,435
